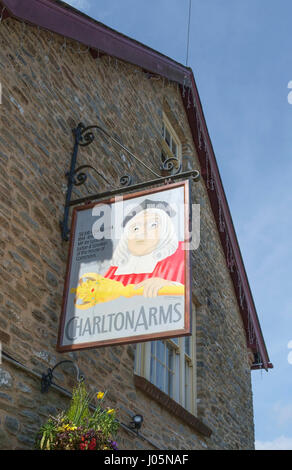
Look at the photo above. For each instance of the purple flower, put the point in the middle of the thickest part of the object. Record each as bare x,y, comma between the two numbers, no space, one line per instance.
113,444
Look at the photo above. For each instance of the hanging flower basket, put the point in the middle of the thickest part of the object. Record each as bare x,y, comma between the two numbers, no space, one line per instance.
79,428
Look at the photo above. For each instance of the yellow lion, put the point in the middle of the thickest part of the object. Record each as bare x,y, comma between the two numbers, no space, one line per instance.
93,289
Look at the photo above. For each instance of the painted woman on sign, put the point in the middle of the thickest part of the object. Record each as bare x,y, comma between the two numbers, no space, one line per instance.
148,260
148,254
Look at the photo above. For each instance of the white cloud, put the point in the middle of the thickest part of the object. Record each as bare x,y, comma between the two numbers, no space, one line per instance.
280,443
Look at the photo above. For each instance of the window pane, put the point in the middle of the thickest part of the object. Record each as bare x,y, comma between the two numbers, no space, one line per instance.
176,377
160,351
152,369
166,388
170,361
160,373
165,367
171,385
152,361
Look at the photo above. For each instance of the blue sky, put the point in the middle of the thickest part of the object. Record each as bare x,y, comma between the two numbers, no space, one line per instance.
240,52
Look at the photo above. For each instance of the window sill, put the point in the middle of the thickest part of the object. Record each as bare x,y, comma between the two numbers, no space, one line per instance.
172,406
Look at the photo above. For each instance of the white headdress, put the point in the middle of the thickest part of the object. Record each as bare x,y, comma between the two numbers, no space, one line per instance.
129,264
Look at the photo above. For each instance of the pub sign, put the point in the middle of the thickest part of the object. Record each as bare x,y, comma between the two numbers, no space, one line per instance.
128,270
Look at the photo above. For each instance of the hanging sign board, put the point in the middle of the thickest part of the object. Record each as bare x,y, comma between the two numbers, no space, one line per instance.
128,270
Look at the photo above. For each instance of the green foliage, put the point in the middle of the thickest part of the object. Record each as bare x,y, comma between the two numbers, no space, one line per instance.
48,435
78,427
79,408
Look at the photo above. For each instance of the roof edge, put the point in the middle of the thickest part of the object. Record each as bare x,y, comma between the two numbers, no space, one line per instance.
66,21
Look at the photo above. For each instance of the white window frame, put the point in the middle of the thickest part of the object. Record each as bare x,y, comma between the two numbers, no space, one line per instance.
143,358
173,137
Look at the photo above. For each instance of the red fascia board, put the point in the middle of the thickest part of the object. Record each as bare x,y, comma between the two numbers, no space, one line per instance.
259,366
70,23
227,219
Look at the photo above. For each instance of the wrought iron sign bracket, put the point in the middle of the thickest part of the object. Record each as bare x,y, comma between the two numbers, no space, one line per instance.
47,379
83,136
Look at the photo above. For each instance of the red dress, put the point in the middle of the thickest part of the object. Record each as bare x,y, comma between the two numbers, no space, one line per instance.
170,268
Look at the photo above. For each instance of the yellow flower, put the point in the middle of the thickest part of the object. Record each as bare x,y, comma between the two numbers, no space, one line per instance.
100,395
110,411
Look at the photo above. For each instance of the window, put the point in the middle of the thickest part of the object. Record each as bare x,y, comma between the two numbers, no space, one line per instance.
171,146
169,365
163,366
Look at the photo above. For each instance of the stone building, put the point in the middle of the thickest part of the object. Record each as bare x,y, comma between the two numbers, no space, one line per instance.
59,68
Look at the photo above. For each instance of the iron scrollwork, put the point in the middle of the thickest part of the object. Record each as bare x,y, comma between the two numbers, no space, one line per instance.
126,180
171,166
81,176
83,136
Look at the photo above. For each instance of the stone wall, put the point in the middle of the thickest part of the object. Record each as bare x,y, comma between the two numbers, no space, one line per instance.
48,86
